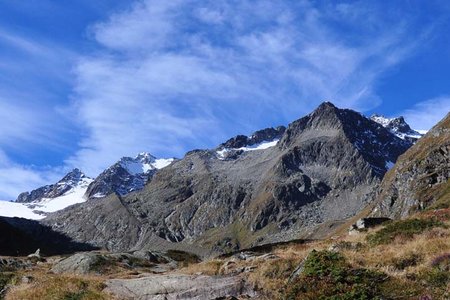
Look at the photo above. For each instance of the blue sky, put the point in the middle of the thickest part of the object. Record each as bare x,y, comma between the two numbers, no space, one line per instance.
83,83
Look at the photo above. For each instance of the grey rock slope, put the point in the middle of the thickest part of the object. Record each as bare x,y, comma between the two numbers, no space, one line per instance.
421,176
67,183
325,167
127,175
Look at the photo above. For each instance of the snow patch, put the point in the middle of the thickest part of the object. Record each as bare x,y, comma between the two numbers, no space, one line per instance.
261,146
162,162
389,165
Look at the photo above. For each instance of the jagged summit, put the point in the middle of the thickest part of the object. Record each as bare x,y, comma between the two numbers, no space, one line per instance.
73,177
127,175
398,126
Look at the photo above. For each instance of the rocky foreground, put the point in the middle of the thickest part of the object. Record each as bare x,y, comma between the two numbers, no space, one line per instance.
408,259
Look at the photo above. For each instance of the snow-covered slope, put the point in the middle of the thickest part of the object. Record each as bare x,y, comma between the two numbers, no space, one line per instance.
68,191
20,210
399,127
143,163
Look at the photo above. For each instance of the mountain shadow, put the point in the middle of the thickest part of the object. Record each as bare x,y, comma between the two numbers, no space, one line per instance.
19,237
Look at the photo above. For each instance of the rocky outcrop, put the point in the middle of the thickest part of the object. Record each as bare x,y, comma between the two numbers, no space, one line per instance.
325,167
94,262
174,286
420,177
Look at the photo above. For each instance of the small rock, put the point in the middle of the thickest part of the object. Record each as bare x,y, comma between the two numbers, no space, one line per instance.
26,279
36,255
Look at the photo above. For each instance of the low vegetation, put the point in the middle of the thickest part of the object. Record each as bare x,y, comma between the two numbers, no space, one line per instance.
403,229
59,287
407,259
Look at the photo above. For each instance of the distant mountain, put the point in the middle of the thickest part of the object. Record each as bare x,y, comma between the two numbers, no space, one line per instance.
71,181
279,186
50,198
399,127
126,176
421,176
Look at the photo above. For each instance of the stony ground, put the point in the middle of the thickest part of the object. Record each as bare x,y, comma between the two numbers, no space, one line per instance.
407,259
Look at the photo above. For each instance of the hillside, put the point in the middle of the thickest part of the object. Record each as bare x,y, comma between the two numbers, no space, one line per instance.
420,178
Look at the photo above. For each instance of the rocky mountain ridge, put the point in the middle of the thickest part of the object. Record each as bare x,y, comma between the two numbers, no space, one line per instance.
324,167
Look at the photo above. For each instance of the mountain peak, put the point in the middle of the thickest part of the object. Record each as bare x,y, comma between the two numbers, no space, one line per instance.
326,105
129,174
398,127
73,180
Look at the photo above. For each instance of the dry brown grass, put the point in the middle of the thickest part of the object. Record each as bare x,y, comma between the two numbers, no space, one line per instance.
61,287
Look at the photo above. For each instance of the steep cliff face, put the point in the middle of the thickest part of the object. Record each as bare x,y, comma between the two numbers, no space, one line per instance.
420,177
324,167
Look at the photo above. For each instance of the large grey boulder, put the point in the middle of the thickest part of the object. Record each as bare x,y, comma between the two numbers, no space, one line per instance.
80,263
174,286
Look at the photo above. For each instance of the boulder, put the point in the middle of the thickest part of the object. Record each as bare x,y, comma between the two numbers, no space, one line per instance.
80,263
174,286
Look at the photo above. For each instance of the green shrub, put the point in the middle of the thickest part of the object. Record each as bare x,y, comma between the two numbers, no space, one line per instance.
328,276
404,228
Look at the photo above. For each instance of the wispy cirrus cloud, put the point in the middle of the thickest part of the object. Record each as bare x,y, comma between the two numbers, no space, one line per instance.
426,114
170,76
173,75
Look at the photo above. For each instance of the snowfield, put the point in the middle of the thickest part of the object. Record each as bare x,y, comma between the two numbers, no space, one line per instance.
39,209
13,209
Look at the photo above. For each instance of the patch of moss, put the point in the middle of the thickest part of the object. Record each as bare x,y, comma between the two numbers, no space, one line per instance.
403,228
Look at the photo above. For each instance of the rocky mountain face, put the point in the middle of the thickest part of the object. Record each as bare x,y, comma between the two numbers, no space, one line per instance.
399,127
126,176
421,176
69,182
324,167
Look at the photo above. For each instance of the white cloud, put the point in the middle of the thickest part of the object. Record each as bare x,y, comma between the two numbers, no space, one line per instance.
424,115
15,178
167,80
